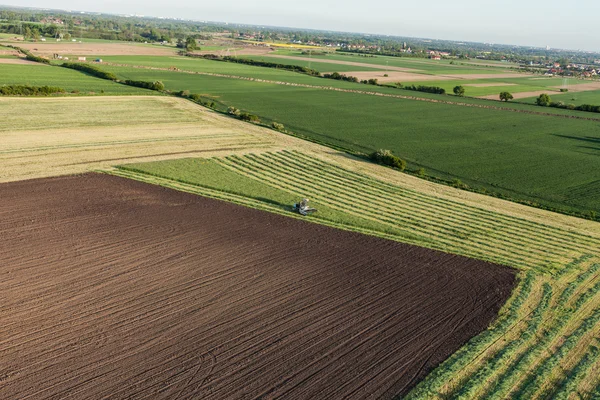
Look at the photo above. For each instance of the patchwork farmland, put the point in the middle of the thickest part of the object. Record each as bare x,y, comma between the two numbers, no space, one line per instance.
178,270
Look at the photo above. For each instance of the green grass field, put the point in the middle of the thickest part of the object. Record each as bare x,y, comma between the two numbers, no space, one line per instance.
543,344
511,85
426,66
592,97
70,80
523,156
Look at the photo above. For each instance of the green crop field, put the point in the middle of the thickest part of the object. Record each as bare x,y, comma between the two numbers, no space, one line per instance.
431,67
511,85
314,64
209,66
529,158
591,97
544,344
70,80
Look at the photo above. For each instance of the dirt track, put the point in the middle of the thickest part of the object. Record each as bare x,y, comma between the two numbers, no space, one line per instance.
116,289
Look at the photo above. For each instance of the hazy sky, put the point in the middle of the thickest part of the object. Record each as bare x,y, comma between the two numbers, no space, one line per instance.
556,23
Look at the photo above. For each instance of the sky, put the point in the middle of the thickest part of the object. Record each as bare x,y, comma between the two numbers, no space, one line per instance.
554,23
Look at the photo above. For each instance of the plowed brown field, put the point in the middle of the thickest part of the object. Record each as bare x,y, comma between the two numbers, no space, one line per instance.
113,288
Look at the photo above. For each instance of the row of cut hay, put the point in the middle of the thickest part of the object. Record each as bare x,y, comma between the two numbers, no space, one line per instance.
456,234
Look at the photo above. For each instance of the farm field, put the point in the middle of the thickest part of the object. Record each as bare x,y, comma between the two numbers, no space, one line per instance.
529,159
28,73
559,291
578,98
91,47
146,292
78,134
416,65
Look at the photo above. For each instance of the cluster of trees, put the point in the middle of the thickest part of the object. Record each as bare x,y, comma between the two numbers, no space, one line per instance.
544,100
340,77
423,88
243,115
156,85
386,157
505,96
293,68
26,90
189,44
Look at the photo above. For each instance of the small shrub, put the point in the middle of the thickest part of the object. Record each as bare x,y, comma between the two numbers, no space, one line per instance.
157,85
543,100
278,126
386,157
249,117
231,110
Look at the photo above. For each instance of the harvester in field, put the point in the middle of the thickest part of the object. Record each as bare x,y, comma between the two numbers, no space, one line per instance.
303,207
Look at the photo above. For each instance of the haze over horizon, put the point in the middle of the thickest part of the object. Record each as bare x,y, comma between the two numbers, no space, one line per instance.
531,23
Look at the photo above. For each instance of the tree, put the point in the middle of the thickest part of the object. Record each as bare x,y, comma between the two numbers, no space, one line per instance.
35,34
543,100
459,90
505,96
190,44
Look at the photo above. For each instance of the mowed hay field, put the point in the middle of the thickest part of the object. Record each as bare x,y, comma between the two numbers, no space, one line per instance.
544,344
147,292
58,136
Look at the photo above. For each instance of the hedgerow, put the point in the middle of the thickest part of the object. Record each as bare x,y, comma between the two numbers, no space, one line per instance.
91,69
26,90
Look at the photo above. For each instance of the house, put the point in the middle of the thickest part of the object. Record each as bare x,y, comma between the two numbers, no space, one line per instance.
80,58
437,58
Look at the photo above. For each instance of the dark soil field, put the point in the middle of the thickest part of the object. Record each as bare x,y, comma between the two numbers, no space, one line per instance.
116,289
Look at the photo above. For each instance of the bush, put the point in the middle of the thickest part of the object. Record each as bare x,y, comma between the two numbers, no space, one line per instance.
278,126
340,77
543,100
231,110
385,157
92,70
31,57
459,90
157,85
506,96
426,89
250,118
564,90
26,90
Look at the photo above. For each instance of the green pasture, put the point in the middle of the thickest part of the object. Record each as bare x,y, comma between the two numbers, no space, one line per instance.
578,98
549,160
425,66
315,64
70,80
220,67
